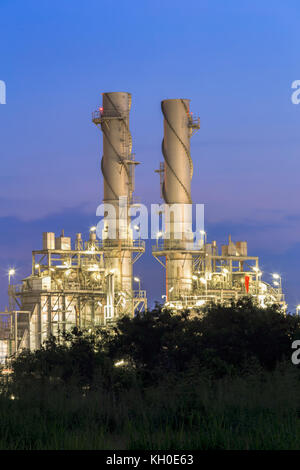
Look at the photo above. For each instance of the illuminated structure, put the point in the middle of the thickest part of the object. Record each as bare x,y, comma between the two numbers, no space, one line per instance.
87,283
196,273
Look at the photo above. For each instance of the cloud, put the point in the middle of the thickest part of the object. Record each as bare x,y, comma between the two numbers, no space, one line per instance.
26,209
272,231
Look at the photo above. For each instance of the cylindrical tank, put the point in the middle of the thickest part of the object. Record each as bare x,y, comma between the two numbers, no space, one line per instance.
78,242
177,191
176,151
116,145
115,166
242,248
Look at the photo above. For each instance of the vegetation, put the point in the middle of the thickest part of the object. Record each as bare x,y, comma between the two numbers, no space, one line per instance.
222,379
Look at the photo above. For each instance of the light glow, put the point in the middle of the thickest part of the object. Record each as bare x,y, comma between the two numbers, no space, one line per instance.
119,363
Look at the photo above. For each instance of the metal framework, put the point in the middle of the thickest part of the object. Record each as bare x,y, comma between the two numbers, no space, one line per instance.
216,278
86,283
67,288
195,272
89,283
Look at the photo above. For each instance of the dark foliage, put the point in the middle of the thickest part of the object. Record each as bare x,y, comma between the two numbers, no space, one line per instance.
218,379
217,342
220,339
244,332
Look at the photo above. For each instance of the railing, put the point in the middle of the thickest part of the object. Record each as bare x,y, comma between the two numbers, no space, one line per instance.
139,294
96,117
116,113
15,289
108,243
123,243
194,122
169,244
223,295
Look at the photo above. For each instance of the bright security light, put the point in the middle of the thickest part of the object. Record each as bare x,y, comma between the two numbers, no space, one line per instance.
119,363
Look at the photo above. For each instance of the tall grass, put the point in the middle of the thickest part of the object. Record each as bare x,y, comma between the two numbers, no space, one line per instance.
258,411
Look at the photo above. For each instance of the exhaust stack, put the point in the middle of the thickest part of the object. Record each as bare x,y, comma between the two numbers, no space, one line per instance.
118,167
179,126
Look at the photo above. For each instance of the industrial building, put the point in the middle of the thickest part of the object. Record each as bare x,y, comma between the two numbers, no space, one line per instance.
198,272
89,283
84,283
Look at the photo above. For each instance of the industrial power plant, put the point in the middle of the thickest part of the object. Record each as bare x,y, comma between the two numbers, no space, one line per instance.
90,283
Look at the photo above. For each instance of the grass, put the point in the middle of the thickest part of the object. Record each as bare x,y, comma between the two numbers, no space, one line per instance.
254,412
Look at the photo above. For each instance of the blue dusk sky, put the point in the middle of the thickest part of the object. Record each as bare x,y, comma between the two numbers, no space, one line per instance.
235,60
